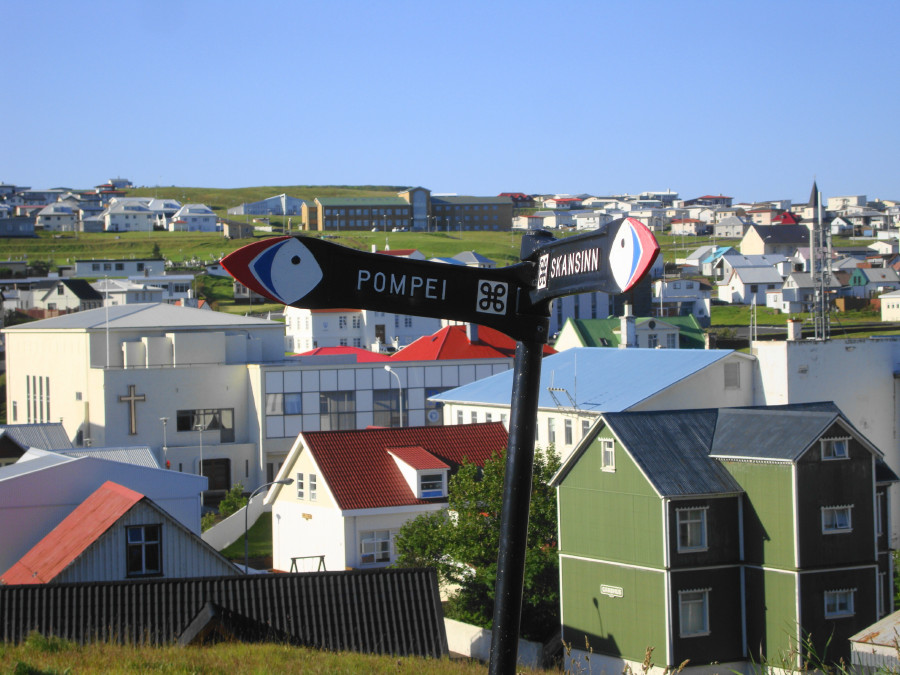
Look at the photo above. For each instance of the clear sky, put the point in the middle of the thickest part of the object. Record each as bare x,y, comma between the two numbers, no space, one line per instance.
752,99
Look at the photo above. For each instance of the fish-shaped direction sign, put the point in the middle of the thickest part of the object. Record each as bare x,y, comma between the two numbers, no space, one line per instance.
317,274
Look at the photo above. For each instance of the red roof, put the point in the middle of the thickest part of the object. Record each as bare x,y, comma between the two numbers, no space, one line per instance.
713,197
68,540
452,342
417,457
403,252
361,474
362,355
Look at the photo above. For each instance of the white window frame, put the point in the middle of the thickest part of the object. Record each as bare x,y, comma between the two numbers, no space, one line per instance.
839,603
428,485
829,446
300,487
686,517
378,545
690,599
607,454
831,523
312,487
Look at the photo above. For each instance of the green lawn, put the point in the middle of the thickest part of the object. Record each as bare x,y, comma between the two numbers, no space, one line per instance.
259,542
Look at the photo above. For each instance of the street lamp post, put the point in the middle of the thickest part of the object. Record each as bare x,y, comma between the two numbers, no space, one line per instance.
399,389
199,427
165,421
285,481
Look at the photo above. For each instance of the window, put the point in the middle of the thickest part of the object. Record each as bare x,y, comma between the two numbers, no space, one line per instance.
652,340
671,341
551,430
474,417
300,487
585,427
693,613
879,506
732,376
432,485
342,322
608,450
355,321
386,405
312,487
836,519
835,448
337,410
407,322
567,432
375,547
459,417
839,603
143,555
691,529
214,419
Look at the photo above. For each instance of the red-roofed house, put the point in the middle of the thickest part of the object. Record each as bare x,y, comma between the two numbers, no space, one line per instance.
117,534
353,490
462,342
412,253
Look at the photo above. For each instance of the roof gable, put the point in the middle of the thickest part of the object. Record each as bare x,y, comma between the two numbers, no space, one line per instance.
360,472
68,540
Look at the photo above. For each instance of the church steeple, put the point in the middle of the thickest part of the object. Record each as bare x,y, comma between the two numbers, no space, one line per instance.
814,195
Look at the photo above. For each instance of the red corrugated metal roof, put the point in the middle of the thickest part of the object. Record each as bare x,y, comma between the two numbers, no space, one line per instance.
360,473
68,540
418,458
451,342
400,251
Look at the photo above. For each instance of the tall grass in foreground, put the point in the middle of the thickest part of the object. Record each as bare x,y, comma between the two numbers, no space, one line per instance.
52,655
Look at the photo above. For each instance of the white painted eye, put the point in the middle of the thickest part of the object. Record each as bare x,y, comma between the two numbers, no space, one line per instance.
287,270
623,256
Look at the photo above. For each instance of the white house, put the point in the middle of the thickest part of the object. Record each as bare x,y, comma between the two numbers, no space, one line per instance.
128,217
750,284
174,287
117,534
678,296
43,487
126,292
890,306
193,218
119,268
64,295
57,217
308,329
353,490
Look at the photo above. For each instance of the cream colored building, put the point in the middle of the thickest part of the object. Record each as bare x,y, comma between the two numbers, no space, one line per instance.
194,384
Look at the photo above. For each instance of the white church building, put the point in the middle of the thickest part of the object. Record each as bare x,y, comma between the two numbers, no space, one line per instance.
199,386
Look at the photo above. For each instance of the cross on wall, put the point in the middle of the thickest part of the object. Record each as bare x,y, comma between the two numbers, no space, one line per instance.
131,399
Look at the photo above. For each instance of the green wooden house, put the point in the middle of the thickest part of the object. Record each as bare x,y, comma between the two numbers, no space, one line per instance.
722,536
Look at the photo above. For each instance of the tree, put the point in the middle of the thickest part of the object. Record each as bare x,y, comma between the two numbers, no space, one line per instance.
462,545
233,501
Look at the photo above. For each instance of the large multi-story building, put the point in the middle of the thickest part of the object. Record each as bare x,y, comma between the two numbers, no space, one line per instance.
411,209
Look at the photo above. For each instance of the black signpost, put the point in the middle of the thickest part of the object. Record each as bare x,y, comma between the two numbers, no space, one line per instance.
316,274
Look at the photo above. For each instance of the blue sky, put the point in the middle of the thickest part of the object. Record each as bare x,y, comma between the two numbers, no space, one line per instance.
748,99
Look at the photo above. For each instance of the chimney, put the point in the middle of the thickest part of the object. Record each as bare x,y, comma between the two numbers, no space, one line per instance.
626,328
794,330
472,332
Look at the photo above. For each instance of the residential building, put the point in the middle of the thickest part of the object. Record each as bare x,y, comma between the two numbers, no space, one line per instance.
890,306
193,218
735,537
798,293
125,292
870,282
774,239
39,490
57,217
119,268
690,227
628,332
65,295
117,534
353,490
682,297
308,329
174,287
749,285
128,217
731,227
578,384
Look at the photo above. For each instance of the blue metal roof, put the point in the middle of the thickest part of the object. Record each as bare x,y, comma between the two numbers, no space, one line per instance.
598,379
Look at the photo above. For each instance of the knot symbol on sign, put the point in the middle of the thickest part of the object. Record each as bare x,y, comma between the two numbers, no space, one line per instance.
492,297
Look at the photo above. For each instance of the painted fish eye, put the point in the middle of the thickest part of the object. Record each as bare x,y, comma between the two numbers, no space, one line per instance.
295,260
622,242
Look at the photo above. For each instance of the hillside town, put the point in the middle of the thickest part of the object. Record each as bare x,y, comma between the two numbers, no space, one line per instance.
725,505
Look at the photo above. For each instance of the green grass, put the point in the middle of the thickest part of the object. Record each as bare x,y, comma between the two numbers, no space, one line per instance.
259,542
51,655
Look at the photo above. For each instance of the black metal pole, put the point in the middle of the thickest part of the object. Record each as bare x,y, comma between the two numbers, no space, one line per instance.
516,503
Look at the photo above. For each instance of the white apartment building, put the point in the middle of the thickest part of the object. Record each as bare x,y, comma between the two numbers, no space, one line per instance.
308,329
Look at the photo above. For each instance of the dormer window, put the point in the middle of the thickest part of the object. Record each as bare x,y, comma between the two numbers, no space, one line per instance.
431,485
835,448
